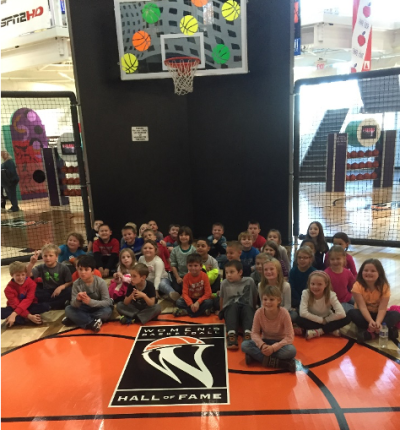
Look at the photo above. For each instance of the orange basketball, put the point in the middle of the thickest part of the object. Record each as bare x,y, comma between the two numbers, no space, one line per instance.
200,3
141,41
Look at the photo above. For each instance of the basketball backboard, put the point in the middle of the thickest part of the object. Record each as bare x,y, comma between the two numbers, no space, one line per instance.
149,32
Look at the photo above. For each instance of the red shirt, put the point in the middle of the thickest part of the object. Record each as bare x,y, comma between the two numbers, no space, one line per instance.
196,289
259,242
14,292
111,247
164,254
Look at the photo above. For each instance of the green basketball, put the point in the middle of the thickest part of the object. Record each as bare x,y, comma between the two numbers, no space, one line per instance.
221,54
151,13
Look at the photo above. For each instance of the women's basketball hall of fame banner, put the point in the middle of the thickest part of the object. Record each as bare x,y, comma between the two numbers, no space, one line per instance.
362,36
175,365
297,28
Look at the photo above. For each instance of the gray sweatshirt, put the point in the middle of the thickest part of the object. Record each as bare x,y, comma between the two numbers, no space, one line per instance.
97,291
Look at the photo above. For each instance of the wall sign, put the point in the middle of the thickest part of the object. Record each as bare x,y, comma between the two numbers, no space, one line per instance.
175,365
23,16
140,134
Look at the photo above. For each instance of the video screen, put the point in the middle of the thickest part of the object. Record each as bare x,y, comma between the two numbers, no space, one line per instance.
368,132
68,148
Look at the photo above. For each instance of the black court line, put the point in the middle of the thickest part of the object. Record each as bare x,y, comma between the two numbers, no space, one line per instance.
57,335
200,414
373,348
336,409
333,357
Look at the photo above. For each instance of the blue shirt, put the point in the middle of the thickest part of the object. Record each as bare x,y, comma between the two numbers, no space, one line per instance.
65,253
248,258
136,247
298,283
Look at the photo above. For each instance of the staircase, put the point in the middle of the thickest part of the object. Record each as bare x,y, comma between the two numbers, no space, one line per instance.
380,94
313,166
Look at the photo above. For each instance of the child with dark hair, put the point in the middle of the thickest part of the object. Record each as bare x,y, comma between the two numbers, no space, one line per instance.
196,292
233,252
71,250
254,229
261,258
22,305
90,302
153,225
218,243
275,236
140,300
272,249
131,241
106,251
341,239
238,301
171,241
179,257
315,232
371,293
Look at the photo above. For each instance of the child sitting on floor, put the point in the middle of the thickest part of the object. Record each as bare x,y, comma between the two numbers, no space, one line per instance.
342,279
233,252
261,258
55,289
131,241
93,235
254,229
371,293
153,226
238,301
343,240
272,334
218,244
249,253
106,251
272,276
171,241
71,250
90,302
22,305
272,249
196,292
122,277
275,236
140,300
320,310
163,251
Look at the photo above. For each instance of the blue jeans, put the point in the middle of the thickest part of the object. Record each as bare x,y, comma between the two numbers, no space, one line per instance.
85,314
34,308
207,304
165,287
287,352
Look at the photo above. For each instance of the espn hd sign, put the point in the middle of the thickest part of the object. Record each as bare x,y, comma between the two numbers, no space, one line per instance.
175,365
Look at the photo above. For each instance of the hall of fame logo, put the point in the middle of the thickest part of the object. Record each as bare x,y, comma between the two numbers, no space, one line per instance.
175,365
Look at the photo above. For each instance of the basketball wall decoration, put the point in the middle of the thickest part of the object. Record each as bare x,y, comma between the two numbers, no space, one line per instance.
221,54
141,41
151,13
230,10
129,63
189,25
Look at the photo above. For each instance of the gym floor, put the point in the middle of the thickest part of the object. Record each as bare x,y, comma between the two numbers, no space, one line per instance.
54,377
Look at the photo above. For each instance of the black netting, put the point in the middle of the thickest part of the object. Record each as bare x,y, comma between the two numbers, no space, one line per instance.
349,157
37,137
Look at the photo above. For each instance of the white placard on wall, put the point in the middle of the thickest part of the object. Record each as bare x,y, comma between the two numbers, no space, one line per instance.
140,134
23,16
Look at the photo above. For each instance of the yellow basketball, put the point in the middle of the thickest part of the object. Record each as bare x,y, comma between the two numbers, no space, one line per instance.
129,63
230,10
189,25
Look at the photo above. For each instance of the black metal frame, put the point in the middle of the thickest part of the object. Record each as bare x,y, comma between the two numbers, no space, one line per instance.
78,147
296,144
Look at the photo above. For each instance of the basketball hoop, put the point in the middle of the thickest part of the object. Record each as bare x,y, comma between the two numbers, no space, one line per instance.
182,70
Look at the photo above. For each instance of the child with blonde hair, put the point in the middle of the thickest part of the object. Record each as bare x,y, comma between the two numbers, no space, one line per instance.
272,249
272,276
341,239
272,334
320,309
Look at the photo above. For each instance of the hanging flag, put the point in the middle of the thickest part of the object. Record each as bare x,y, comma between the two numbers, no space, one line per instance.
362,36
297,28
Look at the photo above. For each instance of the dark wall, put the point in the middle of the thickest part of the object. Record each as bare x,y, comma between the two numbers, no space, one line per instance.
221,153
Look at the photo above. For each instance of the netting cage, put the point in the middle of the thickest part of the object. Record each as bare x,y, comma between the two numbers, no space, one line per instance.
44,195
347,156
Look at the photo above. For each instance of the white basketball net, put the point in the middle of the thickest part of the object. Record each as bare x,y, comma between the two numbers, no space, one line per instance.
182,71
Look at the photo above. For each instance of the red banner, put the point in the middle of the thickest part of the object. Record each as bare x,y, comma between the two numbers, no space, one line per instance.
362,36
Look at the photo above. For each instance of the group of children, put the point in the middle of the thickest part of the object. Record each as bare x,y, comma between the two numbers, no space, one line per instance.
257,292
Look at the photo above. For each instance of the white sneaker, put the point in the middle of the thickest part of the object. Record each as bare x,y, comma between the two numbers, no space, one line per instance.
313,333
